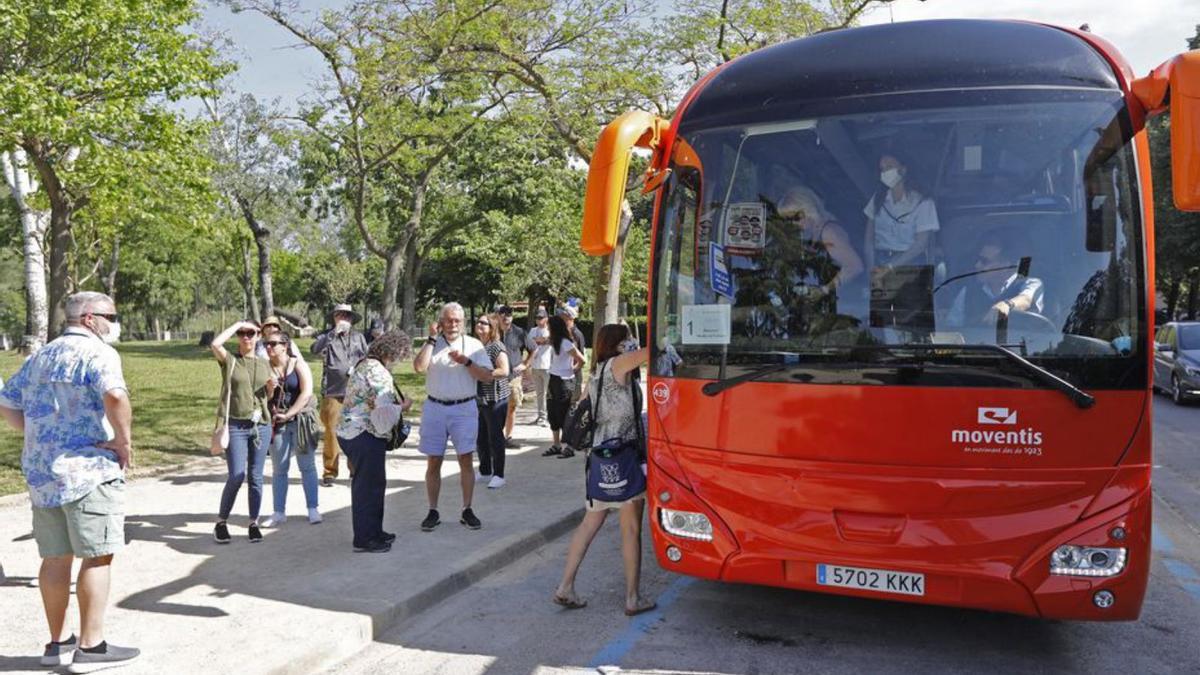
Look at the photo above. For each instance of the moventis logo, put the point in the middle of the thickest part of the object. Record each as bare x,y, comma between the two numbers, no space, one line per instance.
1000,441
997,416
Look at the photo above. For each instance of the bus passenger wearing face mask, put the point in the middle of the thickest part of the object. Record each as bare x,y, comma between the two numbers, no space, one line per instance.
900,220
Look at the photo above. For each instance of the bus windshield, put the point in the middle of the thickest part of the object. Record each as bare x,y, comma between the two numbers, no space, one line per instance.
833,241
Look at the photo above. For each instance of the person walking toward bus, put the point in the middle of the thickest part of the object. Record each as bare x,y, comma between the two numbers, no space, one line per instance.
291,399
247,384
373,407
340,348
494,400
613,396
454,362
71,402
565,361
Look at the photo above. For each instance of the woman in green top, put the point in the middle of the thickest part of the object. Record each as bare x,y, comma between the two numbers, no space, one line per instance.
247,384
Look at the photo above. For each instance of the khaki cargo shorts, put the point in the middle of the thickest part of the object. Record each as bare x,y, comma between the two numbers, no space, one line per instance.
86,528
516,394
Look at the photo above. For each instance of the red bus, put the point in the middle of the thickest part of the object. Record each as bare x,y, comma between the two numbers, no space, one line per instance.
901,310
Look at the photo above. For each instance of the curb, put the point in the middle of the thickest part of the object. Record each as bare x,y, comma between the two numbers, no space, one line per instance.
372,626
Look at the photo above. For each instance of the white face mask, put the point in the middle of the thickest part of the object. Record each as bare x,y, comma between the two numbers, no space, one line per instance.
342,326
112,335
891,177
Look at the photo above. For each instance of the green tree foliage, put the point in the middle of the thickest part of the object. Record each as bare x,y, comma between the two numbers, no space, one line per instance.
84,90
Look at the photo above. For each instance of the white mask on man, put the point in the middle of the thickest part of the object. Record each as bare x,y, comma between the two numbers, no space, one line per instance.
112,335
342,326
891,177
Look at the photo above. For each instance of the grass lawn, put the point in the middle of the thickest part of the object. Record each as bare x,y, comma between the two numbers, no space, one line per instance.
174,388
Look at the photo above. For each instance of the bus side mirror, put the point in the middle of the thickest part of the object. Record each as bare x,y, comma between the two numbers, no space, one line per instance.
608,174
1176,83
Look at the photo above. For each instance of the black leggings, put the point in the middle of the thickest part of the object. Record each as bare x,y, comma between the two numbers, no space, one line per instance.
558,402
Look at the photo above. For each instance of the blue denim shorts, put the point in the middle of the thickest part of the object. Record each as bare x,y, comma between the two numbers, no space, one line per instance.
440,424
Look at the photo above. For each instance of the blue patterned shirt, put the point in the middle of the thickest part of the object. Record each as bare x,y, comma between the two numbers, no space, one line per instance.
60,390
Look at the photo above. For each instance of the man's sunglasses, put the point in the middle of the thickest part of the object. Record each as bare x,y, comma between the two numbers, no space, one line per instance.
111,318
247,333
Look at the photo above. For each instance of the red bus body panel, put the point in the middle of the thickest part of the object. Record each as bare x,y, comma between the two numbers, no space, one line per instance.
979,526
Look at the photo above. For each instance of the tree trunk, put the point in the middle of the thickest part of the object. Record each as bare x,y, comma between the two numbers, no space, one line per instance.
1173,298
601,275
110,277
33,233
609,311
262,239
412,276
251,306
61,241
1193,280
394,271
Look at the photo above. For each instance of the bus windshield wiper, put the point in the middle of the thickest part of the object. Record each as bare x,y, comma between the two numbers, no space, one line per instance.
1081,398
714,388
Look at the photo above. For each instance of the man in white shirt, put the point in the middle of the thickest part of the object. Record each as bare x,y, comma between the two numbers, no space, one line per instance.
454,362
538,362
997,289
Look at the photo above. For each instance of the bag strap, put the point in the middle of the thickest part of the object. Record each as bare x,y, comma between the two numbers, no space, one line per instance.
634,391
596,404
229,384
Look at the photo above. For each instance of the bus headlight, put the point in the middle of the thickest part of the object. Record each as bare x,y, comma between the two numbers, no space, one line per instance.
686,524
1087,561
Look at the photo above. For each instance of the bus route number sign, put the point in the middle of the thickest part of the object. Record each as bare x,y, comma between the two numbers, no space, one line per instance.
705,325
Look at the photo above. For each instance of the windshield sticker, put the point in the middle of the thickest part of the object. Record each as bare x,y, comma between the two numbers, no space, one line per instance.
998,441
746,228
662,393
706,325
718,272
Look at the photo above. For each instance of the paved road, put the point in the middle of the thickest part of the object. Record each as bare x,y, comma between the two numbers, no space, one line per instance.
506,624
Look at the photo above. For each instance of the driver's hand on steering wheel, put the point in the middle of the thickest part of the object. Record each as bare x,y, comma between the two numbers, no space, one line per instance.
996,311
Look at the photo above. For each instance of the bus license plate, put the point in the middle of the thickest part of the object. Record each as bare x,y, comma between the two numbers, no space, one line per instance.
883,581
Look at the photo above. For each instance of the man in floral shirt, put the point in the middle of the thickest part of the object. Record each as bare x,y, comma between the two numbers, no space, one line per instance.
71,402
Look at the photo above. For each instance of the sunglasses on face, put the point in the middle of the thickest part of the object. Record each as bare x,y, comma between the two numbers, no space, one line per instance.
483,324
247,333
275,343
111,318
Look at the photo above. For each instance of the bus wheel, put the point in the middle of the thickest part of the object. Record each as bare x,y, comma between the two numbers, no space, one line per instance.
1176,393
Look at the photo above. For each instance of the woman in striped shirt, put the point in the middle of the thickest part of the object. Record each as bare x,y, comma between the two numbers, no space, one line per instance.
493,403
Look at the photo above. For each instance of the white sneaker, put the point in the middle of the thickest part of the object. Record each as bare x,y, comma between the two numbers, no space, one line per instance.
274,520
496,482
482,477
314,516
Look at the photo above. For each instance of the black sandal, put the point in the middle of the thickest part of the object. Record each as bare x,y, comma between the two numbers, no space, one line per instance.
551,451
566,452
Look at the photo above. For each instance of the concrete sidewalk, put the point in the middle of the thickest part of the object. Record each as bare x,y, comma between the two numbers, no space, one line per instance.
301,600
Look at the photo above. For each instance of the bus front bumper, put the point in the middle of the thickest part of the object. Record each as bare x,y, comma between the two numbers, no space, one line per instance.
1015,577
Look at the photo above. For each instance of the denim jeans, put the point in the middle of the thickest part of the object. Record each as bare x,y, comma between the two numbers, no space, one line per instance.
367,486
490,445
283,448
246,456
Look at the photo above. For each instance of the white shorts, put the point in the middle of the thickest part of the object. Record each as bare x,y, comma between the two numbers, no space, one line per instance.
443,423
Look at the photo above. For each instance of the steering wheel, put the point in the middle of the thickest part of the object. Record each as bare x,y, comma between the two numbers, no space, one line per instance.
1023,322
